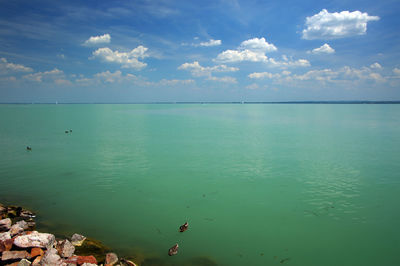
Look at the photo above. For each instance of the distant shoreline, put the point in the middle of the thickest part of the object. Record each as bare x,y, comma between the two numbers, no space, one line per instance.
244,102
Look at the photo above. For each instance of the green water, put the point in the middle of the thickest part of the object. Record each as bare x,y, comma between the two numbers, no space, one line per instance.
272,184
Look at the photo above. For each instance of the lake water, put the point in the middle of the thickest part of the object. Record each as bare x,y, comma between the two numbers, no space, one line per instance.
259,184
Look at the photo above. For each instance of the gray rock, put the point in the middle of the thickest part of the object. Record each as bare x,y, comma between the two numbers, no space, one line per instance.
12,255
35,239
24,262
65,248
111,258
88,264
5,236
52,258
5,224
77,239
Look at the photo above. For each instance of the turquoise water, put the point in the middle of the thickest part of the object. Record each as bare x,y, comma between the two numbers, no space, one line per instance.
266,184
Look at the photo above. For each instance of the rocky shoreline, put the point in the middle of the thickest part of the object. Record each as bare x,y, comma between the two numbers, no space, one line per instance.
21,245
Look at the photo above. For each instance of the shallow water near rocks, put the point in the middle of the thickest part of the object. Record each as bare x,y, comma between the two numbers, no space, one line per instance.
265,184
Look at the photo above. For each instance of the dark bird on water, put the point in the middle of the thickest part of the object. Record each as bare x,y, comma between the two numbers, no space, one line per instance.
28,148
174,250
183,227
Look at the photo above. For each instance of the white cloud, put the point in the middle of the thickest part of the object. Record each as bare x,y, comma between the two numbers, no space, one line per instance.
253,86
96,40
376,65
324,49
6,67
175,82
258,44
396,71
223,79
252,50
211,43
263,75
289,63
128,59
199,71
325,25
52,75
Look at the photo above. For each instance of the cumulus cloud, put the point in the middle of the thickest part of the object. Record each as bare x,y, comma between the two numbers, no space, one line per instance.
376,65
51,75
211,43
396,71
199,71
6,67
324,49
345,75
325,25
127,60
252,50
96,40
286,62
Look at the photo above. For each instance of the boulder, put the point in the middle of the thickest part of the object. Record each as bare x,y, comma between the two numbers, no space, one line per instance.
18,227
24,262
6,245
3,210
35,239
111,259
37,260
15,254
77,239
65,248
125,262
5,224
81,260
5,236
89,264
36,252
51,257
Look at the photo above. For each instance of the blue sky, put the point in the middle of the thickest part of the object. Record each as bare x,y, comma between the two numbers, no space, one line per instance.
227,50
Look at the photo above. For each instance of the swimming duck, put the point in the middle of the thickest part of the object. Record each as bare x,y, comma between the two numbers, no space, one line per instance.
174,250
28,148
183,227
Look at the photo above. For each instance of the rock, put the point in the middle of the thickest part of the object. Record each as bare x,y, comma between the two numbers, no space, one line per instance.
77,239
24,262
5,224
37,260
93,247
173,250
36,252
81,260
3,211
6,245
35,239
13,211
111,259
12,255
51,257
125,262
18,227
26,214
89,264
30,223
5,236
183,227
65,248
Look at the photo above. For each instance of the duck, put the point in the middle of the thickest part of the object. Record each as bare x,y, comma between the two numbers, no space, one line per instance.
28,148
173,250
183,227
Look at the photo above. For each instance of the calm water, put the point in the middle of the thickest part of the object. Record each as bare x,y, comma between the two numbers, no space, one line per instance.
259,184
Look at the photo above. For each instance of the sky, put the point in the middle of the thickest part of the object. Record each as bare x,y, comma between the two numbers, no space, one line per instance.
220,50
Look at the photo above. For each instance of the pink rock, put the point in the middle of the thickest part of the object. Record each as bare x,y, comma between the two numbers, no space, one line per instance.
12,255
24,262
111,259
51,257
5,236
36,261
5,224
35,239
65,248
